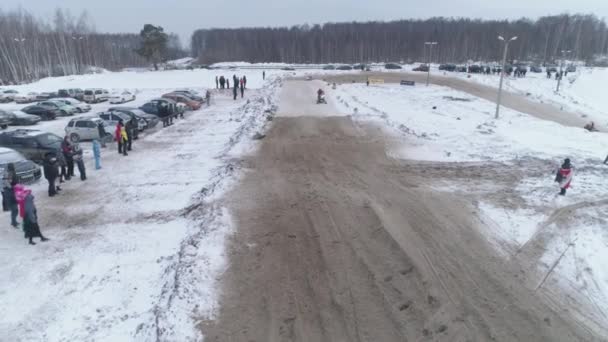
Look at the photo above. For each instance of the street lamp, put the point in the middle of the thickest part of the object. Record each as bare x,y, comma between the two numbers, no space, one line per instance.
561,71
428,74
502,73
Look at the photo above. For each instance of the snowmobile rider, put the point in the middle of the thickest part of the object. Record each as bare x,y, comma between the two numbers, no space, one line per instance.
320,94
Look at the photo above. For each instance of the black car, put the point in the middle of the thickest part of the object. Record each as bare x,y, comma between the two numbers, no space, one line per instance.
288,69
44,112
33,144
536,69
422,67
152,107
329,67
475,69
27,171
19,118
344,67
447,67
5,119
144,120
392,66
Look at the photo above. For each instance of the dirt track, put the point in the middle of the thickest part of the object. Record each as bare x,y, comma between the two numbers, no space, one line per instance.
337,242
510,100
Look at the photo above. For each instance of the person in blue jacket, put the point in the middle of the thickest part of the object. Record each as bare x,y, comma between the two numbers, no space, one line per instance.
97,154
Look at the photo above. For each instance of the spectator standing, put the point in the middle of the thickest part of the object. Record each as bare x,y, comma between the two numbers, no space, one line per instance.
8,193
129,127
49,167
102,134
97,154
242,87
263,75
235,90
118,136
125,139
30,219
217,83
245,81
66,148
78,158
227,84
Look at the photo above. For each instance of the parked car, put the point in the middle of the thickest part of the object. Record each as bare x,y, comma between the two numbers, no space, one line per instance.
422,67
149,120
80,129
392,66
141,123
344,67
180,98
288,69
448,67
571,68
27,171
26,98
96,95
33,144
461,68
329,67
535,68
151,107
19,118
475,69
46,96
80,107
8,95
191,94
62,108
44,112
111,119
551,68
75,93
122,97
5,119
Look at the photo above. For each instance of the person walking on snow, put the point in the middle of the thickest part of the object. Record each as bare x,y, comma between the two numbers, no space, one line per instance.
564,176
97,154
80,162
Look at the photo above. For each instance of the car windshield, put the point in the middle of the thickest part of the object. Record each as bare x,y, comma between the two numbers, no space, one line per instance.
88,92
9,156
49,140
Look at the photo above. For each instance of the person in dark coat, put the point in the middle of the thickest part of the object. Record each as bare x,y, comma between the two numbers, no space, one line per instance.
222,82
263,75
245,82
8,193
242,87
130,133
102,134
78,158
49,167
227,83
235,90
30,219
62,165
66,148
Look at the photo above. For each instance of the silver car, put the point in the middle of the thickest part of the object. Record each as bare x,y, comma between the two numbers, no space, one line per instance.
80,129
81,107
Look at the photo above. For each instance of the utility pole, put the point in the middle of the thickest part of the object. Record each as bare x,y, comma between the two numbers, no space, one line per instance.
428,74
561,70
502,73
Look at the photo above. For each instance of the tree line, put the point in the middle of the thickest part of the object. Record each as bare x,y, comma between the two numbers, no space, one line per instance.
459,40
31,49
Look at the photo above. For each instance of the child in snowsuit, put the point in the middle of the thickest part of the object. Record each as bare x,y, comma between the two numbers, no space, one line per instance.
97,154
564,176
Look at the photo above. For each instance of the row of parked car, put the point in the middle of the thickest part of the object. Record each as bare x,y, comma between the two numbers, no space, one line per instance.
26,148
93,95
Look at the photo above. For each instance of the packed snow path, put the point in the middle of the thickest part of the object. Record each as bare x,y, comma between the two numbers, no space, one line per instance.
335,241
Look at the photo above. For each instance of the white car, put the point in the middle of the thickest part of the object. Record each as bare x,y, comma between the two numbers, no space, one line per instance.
95,95
26,98
8,95
81,107
80,129
122,97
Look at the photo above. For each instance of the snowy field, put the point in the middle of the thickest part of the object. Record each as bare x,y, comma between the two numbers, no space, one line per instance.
507,168
135,249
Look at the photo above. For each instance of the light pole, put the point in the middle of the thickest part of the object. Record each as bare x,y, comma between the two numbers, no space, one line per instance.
561,70
428,74
502,71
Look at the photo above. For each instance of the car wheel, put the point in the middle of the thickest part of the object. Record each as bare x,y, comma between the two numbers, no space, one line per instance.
79,110
63,113
74,137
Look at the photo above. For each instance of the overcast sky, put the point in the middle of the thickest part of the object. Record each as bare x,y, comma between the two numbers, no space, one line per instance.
184,16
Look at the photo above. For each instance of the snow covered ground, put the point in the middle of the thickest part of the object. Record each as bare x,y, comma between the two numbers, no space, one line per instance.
135,249
580,92
507,168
